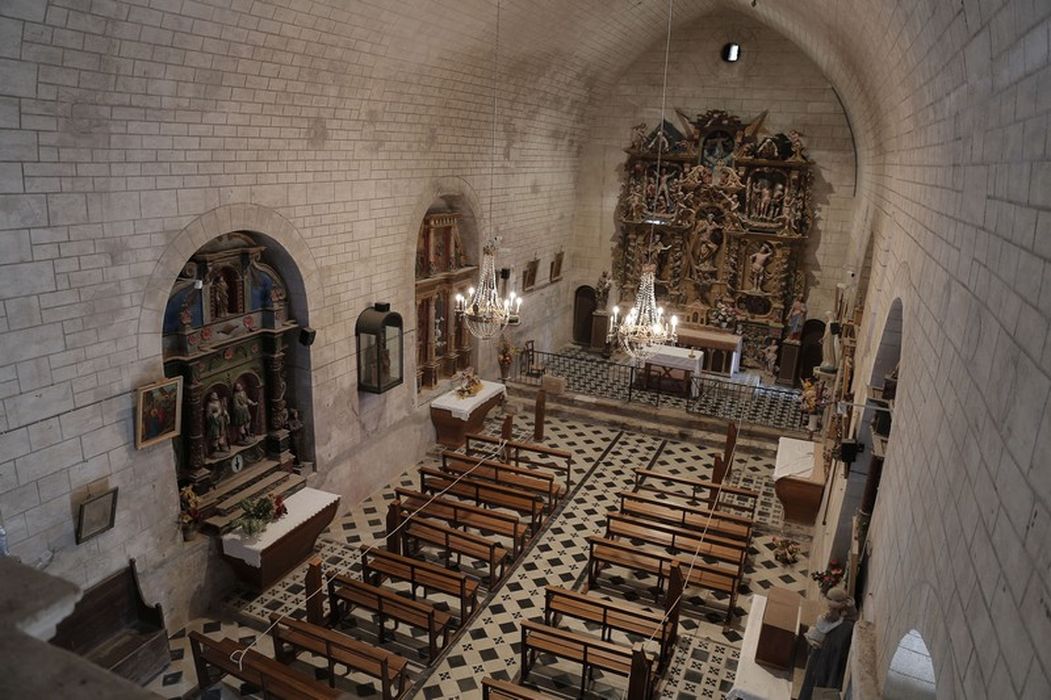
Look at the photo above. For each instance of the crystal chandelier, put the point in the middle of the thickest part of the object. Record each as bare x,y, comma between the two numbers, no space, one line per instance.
645,326
485,312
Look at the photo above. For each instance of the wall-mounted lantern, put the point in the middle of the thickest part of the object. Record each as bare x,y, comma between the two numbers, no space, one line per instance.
380,345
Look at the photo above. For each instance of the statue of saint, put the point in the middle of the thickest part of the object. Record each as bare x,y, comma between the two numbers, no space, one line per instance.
220,297
218,420
602,288
796,318
242,413
759,261
829,356
829,641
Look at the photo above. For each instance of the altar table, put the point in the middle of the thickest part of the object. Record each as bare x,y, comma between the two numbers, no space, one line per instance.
723,348
754,681
799,478
453,417
262,559
679,358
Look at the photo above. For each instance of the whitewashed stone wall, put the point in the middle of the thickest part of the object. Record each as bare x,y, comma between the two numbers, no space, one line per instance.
773,75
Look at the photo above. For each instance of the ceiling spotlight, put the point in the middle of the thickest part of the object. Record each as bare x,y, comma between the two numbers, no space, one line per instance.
731,52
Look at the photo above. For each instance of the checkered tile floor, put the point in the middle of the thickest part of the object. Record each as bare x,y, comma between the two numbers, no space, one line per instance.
705,659
586,373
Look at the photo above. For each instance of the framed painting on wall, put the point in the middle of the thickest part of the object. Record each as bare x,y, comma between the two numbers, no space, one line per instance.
158,412
96,515
529,274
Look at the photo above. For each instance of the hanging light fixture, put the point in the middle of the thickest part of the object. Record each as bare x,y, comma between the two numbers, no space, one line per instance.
484,311
645,326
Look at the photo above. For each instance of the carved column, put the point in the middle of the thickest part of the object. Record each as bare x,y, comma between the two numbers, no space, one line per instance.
195,428
277,439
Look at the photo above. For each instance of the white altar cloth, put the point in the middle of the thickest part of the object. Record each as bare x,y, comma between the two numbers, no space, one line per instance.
462,408
794,458
302,506
753,680
679,358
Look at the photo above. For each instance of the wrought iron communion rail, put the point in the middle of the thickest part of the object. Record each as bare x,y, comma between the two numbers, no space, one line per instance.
708,394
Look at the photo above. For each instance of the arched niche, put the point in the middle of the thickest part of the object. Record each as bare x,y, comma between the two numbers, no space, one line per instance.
445,265
911,672
230,329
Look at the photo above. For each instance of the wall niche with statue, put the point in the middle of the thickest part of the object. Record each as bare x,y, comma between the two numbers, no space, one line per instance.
229,334
724,213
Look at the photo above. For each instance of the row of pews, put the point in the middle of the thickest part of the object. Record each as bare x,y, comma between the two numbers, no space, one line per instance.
660,525
488,510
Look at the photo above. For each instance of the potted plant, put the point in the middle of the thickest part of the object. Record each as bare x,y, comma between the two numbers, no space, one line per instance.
830,577
505,356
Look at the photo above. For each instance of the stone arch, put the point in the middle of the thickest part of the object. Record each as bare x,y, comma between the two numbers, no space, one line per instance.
225,219
926,615
438,188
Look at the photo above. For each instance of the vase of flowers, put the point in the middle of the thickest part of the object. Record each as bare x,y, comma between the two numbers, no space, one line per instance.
257,513
505,356
830,577
189,512
786,551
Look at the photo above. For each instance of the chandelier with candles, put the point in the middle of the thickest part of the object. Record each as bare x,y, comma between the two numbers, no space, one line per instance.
484,311
645,326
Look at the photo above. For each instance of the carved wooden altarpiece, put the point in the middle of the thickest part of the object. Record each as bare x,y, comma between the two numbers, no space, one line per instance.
725,216
226,332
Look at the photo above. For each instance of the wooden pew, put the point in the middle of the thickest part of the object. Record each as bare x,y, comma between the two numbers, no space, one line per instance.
524,454
703,575
538,481
493,689
691,517
588,651
411,534
292,636
714,492
378,564
484,493
273,678
345,592
725,462
460,514
613,615
733,552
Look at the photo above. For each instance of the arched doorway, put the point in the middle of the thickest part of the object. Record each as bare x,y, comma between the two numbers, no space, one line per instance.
911,673
584,305
810,347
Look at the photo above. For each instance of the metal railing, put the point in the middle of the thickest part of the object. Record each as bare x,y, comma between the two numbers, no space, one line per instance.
708,394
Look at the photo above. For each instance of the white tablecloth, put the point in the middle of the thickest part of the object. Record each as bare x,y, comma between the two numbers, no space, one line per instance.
461,408
753,680
794,458
302,506
679,358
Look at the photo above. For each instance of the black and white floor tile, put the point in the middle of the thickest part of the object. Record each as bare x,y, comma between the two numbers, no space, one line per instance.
489,643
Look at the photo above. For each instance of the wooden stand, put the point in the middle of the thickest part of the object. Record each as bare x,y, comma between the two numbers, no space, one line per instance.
788,374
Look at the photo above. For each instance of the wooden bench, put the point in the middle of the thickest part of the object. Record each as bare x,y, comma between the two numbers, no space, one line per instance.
493,689
345,592
460,514
613,615
524,454
409,535
679,540
538,481
590,652
691,517
713,492
113,627
274,679
378,564
484,493
703,575
293,636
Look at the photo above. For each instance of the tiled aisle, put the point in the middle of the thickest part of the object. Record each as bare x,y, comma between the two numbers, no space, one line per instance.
706,657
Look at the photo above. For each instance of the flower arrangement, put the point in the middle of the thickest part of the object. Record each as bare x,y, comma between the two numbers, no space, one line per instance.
260,512
469,383
830,577
786,551
724,315
189,513
505,351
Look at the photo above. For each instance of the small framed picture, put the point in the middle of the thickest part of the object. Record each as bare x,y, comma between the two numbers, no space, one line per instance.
529,274
158,412
556,266
96,515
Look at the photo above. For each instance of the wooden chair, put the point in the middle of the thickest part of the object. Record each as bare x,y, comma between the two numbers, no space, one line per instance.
528,363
